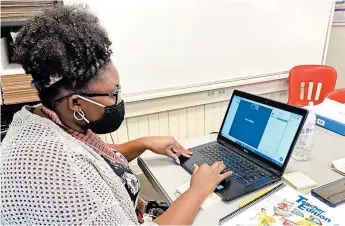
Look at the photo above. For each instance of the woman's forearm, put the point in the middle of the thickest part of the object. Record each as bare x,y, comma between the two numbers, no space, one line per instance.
131,149
183,210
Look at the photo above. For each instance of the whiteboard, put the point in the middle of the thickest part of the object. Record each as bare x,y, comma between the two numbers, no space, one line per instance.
170,44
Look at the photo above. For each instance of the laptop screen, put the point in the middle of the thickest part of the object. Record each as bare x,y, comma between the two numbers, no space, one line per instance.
262,129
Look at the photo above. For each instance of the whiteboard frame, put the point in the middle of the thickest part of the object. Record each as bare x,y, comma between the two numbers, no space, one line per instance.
328,35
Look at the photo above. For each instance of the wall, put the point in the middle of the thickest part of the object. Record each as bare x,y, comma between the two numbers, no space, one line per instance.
187,115
181,123
336,53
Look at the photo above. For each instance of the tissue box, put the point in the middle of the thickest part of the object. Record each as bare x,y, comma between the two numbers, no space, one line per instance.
330,115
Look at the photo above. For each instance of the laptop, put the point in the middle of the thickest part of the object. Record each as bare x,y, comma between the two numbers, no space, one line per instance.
255,142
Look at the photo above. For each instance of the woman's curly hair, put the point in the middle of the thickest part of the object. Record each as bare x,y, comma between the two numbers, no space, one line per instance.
66,43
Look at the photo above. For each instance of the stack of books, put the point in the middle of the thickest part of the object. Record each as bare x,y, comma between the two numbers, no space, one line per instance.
16,86
22,10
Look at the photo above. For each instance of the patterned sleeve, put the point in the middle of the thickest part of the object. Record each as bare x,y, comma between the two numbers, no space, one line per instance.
44,185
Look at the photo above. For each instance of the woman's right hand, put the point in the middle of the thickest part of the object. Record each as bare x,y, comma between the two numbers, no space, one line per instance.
206,178
204,181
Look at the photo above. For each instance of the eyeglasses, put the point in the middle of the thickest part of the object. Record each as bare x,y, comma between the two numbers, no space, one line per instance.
97,94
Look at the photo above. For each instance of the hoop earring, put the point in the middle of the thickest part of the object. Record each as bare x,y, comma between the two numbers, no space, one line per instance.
81,114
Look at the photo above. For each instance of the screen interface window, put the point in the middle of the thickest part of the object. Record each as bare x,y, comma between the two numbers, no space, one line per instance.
262,129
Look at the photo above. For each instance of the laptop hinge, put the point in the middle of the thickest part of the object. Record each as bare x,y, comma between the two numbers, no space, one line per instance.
257,162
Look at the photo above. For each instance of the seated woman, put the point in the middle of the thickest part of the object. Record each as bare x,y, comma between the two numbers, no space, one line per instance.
54,169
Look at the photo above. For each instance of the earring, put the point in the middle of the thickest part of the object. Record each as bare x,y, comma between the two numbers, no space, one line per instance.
82,116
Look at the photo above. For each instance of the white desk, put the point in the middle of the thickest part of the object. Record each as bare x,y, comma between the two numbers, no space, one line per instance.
166,176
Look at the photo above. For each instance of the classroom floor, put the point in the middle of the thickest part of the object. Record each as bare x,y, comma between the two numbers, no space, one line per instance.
147,192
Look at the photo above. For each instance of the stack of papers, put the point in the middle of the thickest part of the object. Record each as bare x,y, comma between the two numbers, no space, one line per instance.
299,181
23,9
15,86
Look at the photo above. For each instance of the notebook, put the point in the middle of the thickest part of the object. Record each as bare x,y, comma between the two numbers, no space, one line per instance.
339,166
285,206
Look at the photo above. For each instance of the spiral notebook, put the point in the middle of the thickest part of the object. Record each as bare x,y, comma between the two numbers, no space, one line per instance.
284,206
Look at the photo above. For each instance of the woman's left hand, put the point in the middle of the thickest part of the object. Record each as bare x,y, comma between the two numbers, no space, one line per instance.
166,146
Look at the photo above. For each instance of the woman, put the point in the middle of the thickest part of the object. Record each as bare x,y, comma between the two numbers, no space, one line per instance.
54,169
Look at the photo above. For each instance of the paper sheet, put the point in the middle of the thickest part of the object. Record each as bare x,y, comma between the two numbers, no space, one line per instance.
211,199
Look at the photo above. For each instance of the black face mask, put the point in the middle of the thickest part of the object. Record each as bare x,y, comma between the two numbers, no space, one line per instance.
110,121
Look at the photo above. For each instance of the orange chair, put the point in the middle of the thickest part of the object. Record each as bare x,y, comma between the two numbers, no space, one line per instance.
337,95
310,83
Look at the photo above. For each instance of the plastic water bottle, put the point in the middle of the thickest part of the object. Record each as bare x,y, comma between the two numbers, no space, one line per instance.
303,145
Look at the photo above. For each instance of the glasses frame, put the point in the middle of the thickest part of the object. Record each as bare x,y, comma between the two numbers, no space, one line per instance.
96,94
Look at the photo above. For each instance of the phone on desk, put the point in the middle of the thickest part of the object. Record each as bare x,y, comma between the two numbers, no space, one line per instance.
332,194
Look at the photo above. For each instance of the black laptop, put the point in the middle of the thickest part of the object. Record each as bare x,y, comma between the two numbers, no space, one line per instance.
255,142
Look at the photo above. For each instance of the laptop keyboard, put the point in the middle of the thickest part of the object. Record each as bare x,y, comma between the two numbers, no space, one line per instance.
243,170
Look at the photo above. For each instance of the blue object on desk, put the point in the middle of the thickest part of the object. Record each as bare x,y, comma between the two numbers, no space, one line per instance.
330,124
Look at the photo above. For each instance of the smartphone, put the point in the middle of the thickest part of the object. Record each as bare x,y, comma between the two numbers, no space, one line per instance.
332,194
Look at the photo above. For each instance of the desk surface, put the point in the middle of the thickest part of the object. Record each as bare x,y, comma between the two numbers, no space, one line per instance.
166,176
